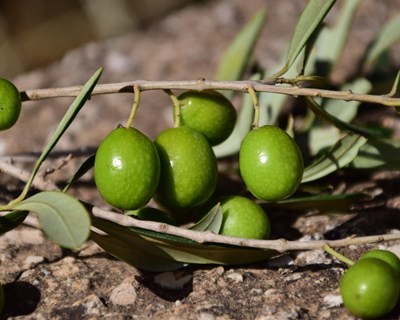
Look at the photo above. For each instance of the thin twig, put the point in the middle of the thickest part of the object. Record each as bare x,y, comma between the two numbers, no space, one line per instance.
280,245
39,182
203,84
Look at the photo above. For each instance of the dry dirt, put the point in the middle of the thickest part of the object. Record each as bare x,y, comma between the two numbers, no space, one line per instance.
43,281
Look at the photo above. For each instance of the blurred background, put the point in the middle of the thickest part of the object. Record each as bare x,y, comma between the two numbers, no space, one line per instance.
30,30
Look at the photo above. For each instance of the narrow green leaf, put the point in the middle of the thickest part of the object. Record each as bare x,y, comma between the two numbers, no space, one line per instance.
323,203
347,111
341,154
331,41
395,85
84,168
62,218
69,116
271,104
322,138
134,255
378,154
312,16
238,55
151,214
243,125
211,221
342,125
388,35
11,220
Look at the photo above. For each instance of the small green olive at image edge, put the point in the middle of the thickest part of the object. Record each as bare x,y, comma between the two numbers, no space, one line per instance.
208,112
126,169
188,168
10,104
385,255
271,164
243,218
370,288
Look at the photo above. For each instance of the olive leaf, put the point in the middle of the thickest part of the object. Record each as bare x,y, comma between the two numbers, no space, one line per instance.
347,111
395,85
133,255
271,104
323,203
180,249
11,220
342,125
84,168
379,153
341,154
65,122
309,21
331,41
62,217
238,55
211,221
387,37
243,124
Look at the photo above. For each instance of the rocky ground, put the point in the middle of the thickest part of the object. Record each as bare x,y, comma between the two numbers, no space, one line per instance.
43,281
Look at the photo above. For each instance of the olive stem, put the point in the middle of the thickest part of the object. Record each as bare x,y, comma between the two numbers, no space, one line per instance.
266,85
135,105
256,107
337,255
177,107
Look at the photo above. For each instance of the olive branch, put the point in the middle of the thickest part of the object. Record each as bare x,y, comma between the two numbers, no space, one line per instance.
268,85
202,237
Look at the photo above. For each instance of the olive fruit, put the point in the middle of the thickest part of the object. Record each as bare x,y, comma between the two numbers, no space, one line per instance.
243,218
385,255
208,112
10,104
370,288
126,169
188,168
271,163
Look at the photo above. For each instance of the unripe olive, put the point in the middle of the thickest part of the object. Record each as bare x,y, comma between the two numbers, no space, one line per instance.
126,169
243,218
370,288
271,163
10,104
188,168
208,112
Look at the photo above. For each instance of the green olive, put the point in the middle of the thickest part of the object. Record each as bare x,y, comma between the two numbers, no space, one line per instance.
188,168
271,163
385,255
370,288
10,104
243,218
208,112
127,169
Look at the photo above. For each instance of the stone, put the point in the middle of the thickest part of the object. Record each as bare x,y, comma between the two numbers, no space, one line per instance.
125,293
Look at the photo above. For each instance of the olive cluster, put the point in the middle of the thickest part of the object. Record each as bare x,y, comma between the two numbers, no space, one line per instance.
179,168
